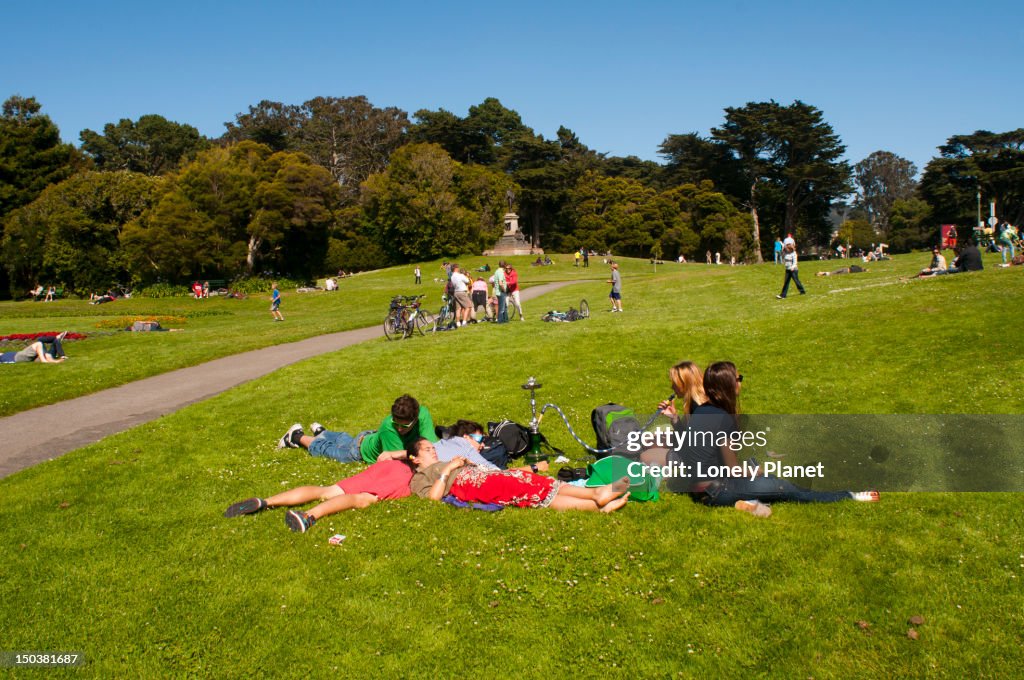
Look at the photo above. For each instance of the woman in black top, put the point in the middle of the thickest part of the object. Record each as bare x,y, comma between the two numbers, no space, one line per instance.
715,422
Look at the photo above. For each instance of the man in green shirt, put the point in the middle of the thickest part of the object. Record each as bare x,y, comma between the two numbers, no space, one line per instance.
408,422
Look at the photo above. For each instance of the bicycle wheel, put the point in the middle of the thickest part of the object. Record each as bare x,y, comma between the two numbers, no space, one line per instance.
393,329
425,323
513,311
445,317
584,309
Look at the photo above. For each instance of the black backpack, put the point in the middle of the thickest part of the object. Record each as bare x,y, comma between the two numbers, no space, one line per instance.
514,436
613,424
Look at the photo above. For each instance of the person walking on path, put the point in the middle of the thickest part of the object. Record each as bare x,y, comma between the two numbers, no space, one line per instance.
616,294
275,304
419,275
789,259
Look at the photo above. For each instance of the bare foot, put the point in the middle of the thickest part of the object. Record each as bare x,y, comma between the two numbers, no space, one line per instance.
614,505
609,492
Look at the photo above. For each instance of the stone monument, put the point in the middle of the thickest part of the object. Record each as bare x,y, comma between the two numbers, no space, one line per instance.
512,241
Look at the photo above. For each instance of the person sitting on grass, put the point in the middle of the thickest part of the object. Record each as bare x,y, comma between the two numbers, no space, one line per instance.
936,266
722,386
469,483
688,393
38,351
407,422
382,481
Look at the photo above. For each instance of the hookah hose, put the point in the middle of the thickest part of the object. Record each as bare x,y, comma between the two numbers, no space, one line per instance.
582,443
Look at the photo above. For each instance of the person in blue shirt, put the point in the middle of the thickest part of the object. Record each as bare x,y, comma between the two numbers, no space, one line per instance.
275,304
778,250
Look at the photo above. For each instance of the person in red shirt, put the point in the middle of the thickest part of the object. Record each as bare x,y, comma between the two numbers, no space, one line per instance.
512,288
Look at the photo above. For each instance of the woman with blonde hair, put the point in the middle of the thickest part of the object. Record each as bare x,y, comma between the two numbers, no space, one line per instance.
687,386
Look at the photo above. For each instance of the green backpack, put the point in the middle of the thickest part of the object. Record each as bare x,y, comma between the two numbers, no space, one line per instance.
643,486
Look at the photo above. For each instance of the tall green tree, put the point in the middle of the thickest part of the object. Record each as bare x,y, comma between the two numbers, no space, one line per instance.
350,137
793,153
427,205
883,178
991,163
153,145
234,210
32,156
272,124
70,233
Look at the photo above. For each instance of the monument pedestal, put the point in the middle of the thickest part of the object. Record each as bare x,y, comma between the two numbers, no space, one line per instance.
512,242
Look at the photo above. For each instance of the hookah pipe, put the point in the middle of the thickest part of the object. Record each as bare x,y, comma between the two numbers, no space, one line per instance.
534,454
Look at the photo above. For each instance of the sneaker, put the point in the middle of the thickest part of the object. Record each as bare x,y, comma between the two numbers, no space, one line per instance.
60,338
298,521
780,297
249,506
755,508
287,441
865,496
316,428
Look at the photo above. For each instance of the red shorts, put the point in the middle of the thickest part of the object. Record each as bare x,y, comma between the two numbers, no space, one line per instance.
385,479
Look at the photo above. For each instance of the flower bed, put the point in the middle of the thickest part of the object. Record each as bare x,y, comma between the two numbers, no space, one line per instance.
31,337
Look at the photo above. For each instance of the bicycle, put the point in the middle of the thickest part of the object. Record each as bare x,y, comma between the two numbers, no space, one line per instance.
446,315
572,315
406,317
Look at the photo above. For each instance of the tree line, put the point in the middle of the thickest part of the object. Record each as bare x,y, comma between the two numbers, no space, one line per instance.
337,182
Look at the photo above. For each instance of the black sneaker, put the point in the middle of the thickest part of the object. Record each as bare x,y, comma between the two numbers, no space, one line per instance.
249,506
287,440
298,521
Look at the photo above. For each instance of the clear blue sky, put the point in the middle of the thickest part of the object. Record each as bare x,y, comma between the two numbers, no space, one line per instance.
899,75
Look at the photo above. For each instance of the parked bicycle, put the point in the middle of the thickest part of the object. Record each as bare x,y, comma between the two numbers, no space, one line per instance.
406,316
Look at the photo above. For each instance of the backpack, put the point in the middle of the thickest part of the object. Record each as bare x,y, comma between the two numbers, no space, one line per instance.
643,486
514,436
612,424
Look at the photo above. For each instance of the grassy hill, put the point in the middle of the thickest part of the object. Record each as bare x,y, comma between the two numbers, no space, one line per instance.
119,550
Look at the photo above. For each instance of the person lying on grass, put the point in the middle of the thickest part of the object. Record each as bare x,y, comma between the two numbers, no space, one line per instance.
408,421
38,351
382,481
470,483
718,416
467,440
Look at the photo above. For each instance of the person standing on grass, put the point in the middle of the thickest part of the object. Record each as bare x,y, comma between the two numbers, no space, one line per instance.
586,258
463,302
275,304
576,258
418,274
407,422
501,291
512,286
789,259
616,294
778,250
382,481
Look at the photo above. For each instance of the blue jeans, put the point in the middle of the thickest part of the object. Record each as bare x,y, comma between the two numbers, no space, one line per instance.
726,492
1013,251
339,446
778,256
792,275
502,308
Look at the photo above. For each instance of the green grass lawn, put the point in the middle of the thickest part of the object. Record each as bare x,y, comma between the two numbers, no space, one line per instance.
119,550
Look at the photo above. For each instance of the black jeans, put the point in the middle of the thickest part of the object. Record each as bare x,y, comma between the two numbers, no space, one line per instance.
794,276
767,490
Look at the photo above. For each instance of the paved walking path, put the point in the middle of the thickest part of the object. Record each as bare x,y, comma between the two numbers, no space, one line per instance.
47,432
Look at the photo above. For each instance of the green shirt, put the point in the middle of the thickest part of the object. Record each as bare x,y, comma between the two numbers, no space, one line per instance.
387,437
499,281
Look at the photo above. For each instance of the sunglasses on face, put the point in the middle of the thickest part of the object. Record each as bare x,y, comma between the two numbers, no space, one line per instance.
477,437
404,426
739,377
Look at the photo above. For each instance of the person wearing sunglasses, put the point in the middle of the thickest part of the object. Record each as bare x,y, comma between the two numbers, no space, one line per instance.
722,384
407,422
468,441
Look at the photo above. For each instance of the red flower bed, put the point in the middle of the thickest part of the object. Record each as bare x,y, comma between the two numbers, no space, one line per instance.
16,337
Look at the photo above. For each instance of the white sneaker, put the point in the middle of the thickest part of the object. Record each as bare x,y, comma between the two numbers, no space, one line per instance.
865,496
316,428
755,508
285,442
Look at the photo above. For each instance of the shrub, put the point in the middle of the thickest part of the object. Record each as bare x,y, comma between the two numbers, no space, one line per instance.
162,290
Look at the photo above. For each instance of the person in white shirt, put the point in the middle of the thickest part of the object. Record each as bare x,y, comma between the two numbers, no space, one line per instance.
463,303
